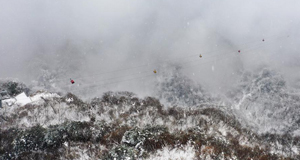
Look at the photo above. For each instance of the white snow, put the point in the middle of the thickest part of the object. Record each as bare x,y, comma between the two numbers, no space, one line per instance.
185,153
22,99
69,100
295,150
9,101
245,96
46,95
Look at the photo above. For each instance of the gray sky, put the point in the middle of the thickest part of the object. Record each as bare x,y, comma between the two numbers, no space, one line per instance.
86,38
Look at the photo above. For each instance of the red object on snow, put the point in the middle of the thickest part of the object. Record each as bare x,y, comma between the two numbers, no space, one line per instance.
239,51
72,81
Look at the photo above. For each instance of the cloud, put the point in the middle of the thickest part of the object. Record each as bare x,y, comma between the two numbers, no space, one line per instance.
84,39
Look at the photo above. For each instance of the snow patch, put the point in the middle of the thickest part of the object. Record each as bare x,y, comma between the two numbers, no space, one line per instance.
69,100
22,99
45,95
9,101
186,152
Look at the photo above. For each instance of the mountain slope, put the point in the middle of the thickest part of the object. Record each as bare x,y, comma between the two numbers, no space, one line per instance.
120,125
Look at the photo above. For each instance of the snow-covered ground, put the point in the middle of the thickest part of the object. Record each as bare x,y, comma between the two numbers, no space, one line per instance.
259,119
22,99
186,152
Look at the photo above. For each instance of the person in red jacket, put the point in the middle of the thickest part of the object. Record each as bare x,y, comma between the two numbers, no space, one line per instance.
72,81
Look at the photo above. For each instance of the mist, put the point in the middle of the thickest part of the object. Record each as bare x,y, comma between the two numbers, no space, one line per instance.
116,45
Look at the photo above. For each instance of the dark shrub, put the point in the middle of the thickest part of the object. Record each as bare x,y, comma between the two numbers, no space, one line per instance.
78,131
14,88
31,139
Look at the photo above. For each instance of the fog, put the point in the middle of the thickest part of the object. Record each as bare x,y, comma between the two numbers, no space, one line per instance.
116,45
